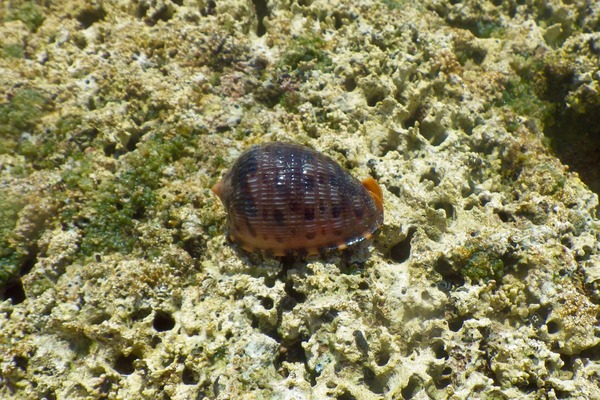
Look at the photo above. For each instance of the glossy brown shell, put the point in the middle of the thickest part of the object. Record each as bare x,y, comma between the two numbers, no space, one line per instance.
283,198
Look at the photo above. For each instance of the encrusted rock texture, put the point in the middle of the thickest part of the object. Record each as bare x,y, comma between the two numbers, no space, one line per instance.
480,120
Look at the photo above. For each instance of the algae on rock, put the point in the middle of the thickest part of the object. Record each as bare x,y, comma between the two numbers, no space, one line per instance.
477,118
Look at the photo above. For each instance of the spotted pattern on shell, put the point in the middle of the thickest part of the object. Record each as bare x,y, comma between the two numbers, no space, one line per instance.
283,199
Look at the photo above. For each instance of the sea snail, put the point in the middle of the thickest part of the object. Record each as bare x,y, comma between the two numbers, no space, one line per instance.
283,199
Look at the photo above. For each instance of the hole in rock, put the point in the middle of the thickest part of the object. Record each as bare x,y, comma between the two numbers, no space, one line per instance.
376,383
267,303
292,353
440,351
21,362
574,133
568,362
293,293
14,291
447,207
329,315
124,364
262,11
445,269
504,216
349,83
383,356
553,326
89,16
591,353
189,377
345,396
140,314
413,386
456,323
163,321
28,262
164,13
374,96
433,176
401,250
98,318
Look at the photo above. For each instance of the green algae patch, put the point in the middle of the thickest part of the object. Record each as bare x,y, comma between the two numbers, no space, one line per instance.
306,49
479,264
19,116
110,228
280,85
115,203
27,12
40,152
488,29
10,257
538,88
13,50
393,4
519,95
482,266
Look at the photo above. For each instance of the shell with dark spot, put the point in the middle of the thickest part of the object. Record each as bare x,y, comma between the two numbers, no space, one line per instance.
283,198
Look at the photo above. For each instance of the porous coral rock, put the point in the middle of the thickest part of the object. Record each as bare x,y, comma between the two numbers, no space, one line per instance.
477,118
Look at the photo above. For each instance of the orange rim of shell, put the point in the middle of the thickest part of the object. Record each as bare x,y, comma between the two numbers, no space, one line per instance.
217,188
375,191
